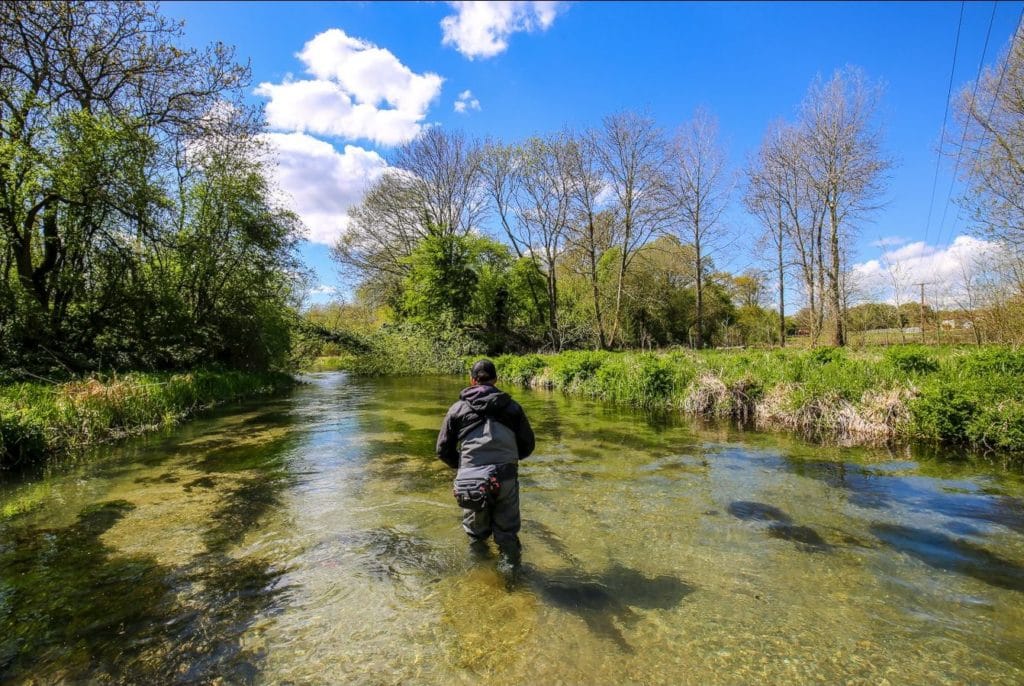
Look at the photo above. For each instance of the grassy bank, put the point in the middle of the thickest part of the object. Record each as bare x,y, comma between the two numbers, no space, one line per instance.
40,419
965,396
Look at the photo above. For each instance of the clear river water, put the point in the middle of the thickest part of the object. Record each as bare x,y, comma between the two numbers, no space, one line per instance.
313,539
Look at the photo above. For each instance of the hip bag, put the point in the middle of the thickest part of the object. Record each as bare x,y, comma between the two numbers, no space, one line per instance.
477,487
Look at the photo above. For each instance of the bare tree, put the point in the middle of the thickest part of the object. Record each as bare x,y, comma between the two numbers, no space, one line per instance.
631,150
845,165
699,187
542,208
593,229
765,198
382,231
530,187
803,214
991,114
443,171
898,278
435,184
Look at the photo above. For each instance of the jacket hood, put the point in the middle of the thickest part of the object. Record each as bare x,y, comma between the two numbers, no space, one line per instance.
486,400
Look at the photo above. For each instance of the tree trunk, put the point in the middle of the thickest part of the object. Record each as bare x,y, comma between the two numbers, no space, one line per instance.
618,288
839,337
593,282
700,300
782,287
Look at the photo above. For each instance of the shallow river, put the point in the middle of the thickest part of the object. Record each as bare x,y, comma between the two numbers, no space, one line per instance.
314,539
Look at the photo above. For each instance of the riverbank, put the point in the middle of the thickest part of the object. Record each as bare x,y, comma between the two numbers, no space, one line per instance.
962,396
38,419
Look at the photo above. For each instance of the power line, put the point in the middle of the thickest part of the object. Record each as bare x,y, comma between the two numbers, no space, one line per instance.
963,137
984,134
945,118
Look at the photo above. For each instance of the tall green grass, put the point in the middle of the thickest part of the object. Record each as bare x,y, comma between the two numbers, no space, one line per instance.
38,419
970,396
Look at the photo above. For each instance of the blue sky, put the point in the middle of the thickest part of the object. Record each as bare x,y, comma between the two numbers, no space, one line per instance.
344,83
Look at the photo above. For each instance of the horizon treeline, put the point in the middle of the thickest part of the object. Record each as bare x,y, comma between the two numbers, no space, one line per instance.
614,237
139,230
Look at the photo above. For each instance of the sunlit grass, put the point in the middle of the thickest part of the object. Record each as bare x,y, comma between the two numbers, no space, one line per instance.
952,394
37,419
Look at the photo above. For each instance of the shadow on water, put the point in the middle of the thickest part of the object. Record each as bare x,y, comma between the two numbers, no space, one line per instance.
605,601
781,525
806,538
952,555
748,510
874,489
241,509
549,538
73,609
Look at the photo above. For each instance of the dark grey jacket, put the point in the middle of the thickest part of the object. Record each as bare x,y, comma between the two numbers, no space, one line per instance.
485,426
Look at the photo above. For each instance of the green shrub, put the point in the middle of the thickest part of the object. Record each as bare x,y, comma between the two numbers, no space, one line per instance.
992,361
653,380
942,411
911,359
21,437
998,425
576,366
411,350
823,356
519,370
40,419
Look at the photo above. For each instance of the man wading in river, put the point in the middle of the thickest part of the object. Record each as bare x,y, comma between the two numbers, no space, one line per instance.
484,435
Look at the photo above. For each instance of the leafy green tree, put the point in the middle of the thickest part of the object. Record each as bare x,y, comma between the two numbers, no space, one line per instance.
103,123
441,281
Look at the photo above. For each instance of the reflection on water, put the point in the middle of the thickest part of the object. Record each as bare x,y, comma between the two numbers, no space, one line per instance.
313,539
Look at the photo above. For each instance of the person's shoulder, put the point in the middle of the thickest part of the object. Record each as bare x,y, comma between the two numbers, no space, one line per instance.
514,406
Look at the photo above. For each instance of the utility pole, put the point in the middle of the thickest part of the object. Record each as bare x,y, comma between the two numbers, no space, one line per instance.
922,285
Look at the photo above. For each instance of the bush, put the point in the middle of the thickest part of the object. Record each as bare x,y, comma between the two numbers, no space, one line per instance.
576,366
823,356
974,397
998,426
992,362
411,350
653,380
911,359
41,419
519,369
942,412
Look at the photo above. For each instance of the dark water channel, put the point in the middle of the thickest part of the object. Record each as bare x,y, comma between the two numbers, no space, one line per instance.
313,539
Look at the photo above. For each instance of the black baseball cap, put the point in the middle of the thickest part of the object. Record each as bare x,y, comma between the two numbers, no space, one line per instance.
483,371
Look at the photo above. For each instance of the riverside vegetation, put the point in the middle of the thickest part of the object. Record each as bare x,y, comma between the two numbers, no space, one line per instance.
970,396
38,420
140,238
966,396
145,269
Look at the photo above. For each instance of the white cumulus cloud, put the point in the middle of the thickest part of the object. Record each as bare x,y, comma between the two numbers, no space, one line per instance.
942,269
358,91
466,102
482,29
319,183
